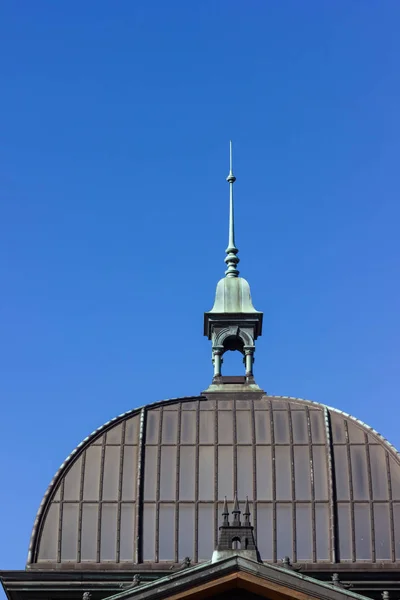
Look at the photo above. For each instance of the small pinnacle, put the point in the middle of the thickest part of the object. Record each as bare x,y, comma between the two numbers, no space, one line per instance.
246,512
225,513
246,507
225,509
236,512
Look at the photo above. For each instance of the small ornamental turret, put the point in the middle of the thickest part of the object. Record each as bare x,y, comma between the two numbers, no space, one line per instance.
336,581
236,538
137,580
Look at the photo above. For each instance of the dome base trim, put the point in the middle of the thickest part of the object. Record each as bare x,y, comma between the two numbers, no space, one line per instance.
233,384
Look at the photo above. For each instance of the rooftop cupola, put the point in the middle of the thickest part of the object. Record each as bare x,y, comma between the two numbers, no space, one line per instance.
233,323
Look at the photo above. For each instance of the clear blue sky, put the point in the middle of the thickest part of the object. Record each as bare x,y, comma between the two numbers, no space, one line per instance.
114,131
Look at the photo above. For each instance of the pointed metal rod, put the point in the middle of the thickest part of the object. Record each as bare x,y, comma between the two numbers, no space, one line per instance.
231,251
231,179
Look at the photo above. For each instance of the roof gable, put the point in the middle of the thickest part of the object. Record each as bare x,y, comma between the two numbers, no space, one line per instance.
236,573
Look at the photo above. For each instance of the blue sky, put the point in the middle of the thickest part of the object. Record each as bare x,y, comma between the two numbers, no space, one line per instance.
114,132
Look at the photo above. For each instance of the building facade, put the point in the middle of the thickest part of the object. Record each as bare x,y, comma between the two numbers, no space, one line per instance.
228,493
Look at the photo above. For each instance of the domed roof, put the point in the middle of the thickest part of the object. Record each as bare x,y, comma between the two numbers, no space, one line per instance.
233,296
148,486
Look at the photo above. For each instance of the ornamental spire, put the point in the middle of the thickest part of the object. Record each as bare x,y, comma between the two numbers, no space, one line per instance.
233,323
231,251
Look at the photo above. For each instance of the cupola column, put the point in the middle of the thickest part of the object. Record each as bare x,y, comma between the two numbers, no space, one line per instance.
249,360
217,359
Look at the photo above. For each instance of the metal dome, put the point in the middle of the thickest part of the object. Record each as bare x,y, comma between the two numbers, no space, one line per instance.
148,486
